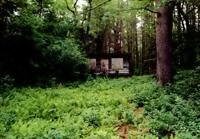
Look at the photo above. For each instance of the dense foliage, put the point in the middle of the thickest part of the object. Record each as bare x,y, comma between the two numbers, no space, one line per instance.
45,39
69,112
37,45
175,109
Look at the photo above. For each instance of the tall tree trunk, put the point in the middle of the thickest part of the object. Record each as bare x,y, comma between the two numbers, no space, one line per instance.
164,45
89,17
132,44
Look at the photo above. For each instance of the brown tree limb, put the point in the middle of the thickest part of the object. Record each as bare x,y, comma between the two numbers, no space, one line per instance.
99,5
155,12
194,8
68,8
75,5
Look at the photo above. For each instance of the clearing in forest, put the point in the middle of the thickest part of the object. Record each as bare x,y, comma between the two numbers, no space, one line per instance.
101,108
122,108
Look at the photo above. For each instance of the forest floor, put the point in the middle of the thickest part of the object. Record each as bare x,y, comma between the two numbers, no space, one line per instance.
134,107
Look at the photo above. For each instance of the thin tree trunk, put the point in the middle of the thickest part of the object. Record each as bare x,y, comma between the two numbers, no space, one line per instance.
89,17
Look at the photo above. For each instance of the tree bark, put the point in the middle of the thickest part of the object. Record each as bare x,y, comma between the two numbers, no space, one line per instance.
164,44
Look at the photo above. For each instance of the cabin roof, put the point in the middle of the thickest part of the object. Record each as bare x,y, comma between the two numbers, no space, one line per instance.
111,55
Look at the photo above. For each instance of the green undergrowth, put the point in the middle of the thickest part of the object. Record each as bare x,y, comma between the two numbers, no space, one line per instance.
94,109
98,108
174,111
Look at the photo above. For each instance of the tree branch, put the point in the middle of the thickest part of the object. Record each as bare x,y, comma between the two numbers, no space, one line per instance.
99,5
141,8
155,12
194,8
75,4
72,11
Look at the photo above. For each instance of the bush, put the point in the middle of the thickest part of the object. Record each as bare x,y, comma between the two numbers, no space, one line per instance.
66,60
6,83
174,108
92,118
36,49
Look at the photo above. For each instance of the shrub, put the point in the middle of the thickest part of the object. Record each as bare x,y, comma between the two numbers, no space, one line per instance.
174,108
92,118
6,83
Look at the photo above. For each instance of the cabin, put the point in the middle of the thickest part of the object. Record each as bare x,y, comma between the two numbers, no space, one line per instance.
109,57
109,64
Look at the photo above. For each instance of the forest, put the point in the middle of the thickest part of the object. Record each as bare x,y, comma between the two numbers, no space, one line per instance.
100,69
